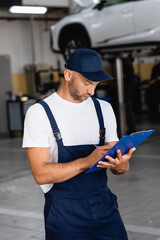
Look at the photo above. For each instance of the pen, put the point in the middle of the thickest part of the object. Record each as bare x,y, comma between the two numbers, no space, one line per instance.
95,145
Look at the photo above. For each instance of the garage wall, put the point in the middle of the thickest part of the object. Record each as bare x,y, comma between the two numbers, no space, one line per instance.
144,65
15,41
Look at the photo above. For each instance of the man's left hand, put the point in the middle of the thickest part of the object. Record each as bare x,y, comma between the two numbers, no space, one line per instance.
118,165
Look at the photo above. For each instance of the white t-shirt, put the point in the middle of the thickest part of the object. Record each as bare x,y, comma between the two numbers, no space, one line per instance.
77,122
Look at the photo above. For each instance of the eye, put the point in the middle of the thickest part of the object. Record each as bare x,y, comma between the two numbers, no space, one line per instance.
86,83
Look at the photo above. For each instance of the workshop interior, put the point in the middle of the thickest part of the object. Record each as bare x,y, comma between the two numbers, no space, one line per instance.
36,38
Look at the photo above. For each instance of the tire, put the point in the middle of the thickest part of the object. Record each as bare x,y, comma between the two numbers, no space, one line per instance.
74,42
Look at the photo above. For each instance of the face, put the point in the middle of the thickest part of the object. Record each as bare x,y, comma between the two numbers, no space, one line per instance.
80,88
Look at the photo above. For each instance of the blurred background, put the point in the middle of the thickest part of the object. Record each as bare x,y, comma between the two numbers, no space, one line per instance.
34,44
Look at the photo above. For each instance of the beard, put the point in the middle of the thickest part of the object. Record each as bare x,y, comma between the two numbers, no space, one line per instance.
74,92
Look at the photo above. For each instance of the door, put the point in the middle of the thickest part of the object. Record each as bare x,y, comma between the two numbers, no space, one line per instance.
113,24
146,20
6,86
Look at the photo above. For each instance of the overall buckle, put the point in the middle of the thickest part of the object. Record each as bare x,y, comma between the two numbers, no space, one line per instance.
57,135
102,133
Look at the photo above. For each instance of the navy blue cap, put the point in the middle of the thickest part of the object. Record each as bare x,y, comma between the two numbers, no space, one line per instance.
88,63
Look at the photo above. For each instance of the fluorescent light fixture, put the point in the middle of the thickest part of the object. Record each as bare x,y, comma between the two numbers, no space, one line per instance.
96,1
28,10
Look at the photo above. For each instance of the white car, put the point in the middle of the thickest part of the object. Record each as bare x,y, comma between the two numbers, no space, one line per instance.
111,25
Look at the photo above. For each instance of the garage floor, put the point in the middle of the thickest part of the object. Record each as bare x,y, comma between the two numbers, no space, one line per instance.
138,191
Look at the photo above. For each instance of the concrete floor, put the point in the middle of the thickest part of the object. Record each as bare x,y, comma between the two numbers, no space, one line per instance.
138,191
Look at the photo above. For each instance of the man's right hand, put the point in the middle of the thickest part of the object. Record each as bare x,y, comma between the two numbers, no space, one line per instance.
97,154
45,172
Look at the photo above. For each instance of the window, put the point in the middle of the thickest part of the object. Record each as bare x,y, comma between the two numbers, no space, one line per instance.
114,2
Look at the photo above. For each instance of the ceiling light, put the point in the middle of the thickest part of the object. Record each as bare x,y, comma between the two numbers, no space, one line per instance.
28,10
96,1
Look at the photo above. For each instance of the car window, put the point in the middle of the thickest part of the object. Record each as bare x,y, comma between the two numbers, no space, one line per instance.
114,2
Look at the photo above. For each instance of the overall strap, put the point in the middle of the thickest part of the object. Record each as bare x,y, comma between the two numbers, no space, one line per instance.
56,131
102,129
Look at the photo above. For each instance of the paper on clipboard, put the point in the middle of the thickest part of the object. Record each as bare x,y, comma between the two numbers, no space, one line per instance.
124,144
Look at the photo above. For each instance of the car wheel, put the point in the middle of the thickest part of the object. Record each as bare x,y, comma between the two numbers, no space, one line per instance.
72,43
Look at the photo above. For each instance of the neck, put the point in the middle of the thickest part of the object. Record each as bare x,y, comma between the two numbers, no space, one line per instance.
64,93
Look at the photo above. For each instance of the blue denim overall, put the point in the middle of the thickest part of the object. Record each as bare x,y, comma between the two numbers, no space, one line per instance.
83,207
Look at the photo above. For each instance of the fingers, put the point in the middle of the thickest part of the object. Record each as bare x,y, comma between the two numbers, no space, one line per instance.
116,160
119,155
131,151
105,164
113,162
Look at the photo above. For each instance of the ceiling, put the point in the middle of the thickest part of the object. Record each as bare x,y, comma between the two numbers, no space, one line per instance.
6,3
56,9
48,3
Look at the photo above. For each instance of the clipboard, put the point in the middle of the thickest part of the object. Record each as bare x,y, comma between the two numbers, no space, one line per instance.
124,144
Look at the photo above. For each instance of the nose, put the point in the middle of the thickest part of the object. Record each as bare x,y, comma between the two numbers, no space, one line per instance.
91,90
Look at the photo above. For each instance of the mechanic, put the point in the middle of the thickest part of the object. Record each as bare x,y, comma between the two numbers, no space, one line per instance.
64,135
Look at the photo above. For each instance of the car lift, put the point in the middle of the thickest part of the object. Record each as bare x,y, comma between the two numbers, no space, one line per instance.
137,52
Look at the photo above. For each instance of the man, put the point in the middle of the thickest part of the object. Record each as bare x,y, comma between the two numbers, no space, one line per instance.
65,135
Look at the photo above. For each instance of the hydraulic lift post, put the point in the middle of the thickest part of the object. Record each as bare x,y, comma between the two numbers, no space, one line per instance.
121,103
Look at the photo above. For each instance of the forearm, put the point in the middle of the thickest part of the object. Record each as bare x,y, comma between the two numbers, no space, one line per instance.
45,172
60,172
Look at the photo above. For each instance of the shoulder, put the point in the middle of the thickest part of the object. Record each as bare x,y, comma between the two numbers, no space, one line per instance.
107,110
106,106
37,109
103,102
36,116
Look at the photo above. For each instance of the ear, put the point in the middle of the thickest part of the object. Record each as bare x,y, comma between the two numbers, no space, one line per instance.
67,74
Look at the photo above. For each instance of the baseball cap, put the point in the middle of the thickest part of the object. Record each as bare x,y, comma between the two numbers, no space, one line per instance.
88,63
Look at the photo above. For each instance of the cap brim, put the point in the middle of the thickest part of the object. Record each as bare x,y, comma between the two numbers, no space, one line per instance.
96,76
